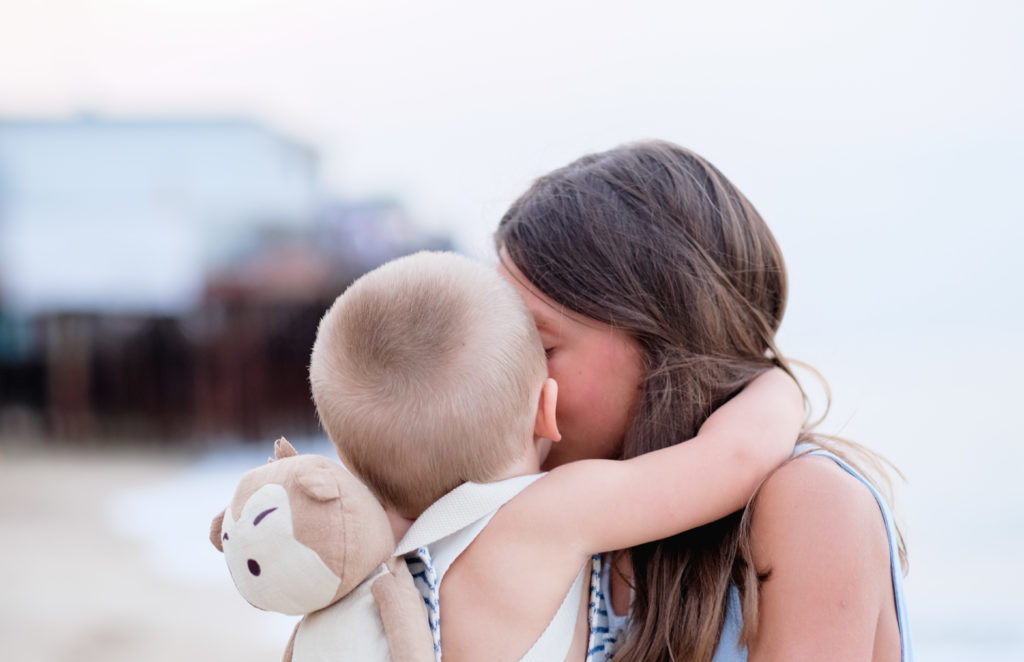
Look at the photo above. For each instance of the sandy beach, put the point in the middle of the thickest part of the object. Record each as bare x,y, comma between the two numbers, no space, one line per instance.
74,589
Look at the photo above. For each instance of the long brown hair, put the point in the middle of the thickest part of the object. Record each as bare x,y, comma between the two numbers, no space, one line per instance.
652,239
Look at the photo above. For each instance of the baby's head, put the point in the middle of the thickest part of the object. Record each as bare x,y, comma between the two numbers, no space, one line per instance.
426,373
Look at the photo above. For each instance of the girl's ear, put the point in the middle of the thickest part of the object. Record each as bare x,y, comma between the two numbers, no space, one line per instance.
546,426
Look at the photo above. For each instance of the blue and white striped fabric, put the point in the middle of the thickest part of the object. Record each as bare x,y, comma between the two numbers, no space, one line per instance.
425,578
606,629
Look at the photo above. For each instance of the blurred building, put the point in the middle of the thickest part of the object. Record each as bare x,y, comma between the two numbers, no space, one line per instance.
163,278
127,214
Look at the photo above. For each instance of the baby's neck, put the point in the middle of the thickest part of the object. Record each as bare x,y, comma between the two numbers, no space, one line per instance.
526,464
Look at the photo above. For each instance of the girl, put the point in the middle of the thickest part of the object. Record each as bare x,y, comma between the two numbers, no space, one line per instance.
649,246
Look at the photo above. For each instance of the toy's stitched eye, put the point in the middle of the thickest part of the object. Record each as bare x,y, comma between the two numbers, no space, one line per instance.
254,567
225,536
259,518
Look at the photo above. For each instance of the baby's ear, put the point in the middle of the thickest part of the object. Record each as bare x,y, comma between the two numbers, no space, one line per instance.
546,425
215,530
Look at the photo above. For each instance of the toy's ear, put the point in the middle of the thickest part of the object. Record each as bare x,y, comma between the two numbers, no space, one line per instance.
215,530
283,449
319,485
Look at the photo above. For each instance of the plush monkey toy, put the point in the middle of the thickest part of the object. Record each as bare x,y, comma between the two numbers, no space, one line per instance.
303,536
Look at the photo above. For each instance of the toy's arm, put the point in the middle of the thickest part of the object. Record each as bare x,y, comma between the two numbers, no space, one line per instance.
399,524
291,645
404,615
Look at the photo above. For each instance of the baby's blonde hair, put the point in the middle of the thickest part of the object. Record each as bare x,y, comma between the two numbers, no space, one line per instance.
426,373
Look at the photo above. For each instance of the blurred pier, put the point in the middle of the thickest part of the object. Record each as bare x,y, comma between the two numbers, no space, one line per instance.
161,279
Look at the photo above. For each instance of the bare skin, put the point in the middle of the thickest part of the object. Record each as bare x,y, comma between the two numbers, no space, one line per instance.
830,594
598,369
555,525
818,529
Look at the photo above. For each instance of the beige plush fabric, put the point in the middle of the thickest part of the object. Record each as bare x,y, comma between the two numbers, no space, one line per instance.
304,536
403,614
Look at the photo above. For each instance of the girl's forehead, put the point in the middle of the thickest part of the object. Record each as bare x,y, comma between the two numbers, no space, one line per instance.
546,312
548,315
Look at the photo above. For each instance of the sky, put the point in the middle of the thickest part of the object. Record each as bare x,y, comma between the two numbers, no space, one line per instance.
881,141
457,106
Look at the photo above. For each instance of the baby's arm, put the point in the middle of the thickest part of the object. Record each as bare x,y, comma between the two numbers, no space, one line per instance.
610,504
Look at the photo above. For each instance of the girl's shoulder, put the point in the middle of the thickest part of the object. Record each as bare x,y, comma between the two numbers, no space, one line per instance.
818,538
819,531
813,496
